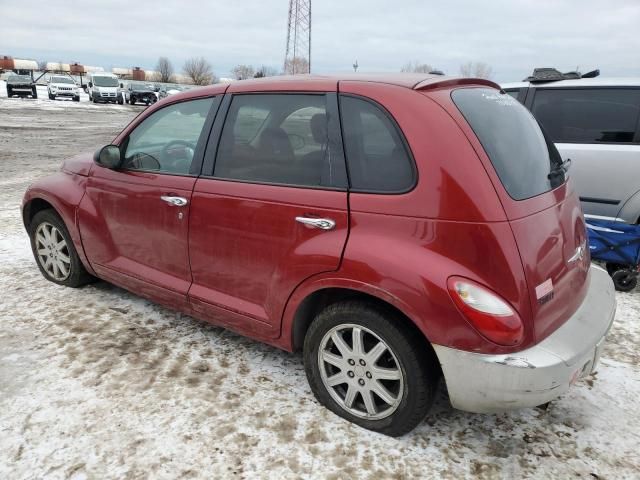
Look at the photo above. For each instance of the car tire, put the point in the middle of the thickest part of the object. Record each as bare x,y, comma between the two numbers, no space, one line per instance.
54,251
52,97
34,93
624,279
392,356
9,92
76,98
132,101
120,100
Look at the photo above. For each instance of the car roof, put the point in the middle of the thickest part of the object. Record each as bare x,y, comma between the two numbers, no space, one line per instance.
579,82
416,81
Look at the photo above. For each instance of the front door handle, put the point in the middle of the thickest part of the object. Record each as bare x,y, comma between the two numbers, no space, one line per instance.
321,223
175,201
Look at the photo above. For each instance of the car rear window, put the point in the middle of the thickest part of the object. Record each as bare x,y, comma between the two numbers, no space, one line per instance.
525,160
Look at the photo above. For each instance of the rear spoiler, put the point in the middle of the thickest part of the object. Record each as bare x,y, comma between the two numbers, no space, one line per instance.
435,83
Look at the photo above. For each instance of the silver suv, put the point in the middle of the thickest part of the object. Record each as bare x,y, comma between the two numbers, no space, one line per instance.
596,123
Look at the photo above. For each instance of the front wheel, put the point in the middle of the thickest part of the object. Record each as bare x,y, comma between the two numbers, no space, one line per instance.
52,97
365,366
76,98
54,251
34,93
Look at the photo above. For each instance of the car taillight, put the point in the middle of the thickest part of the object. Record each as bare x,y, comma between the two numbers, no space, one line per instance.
492,316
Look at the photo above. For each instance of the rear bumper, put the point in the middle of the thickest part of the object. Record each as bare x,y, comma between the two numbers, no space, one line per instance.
492,383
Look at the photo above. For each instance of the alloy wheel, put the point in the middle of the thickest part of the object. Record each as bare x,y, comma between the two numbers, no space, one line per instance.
360,372
52,252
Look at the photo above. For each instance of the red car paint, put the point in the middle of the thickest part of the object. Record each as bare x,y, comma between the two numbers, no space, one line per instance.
237,258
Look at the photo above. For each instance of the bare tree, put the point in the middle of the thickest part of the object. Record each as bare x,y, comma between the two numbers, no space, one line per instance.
42,65
164,70
416,67
199,71
242,72
296,66
476,70
265,71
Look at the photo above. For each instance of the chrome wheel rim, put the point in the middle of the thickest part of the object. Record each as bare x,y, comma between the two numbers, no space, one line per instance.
360,372
52,252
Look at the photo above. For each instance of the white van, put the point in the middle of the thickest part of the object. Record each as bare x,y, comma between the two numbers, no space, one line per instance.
103,87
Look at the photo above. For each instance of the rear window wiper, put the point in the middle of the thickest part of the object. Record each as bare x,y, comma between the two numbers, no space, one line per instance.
560,168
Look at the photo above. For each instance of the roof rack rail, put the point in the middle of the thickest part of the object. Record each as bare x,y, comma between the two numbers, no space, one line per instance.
541,75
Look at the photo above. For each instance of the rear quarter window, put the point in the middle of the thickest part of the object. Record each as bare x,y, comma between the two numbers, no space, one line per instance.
377,157
512,139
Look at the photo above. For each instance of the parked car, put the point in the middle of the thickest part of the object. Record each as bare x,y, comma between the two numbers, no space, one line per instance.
166,90
140,93
595,122
103,87
63,86
21,86
453,246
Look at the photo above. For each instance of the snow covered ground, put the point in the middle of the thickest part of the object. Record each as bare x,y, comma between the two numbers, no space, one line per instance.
99,383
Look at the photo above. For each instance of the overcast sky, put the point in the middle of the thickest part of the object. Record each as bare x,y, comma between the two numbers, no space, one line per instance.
513,36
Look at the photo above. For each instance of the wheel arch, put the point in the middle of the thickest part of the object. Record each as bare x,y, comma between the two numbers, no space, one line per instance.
630,210
61,193
300,317
32,207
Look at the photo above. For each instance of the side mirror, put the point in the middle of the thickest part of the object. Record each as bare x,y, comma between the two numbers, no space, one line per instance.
90,84
108,157
121,85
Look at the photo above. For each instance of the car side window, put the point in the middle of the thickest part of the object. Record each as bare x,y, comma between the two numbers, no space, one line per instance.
279,139
377,158
588,115
166,140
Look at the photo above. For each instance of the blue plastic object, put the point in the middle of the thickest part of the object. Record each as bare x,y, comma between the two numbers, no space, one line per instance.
614,242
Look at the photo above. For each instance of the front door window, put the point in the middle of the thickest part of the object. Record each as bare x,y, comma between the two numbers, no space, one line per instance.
166,140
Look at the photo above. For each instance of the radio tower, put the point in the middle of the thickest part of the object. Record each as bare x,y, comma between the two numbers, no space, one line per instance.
298,56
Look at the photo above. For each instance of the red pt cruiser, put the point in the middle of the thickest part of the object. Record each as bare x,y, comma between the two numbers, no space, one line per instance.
395,228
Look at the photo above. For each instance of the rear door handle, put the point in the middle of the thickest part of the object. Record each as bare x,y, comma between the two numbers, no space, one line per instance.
321,223
175,201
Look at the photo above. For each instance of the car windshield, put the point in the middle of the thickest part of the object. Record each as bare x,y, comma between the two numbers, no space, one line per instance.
526,161
105,81
144,88
61,80
20,78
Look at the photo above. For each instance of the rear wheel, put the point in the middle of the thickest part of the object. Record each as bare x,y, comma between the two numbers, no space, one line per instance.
54,251
364,366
